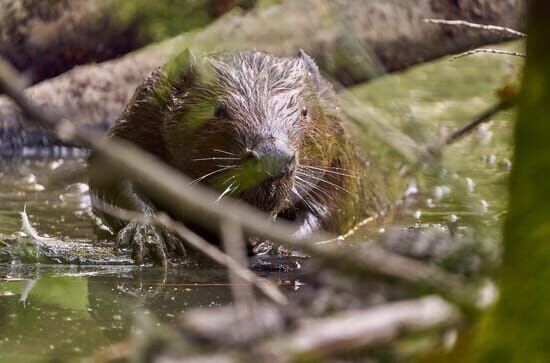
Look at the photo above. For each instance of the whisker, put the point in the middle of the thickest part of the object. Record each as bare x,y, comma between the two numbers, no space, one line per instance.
337,168
225,152
327,171
227,190
315,187
325,181
232,177
302,199
329,167
320,194
215,158
307,202
211,173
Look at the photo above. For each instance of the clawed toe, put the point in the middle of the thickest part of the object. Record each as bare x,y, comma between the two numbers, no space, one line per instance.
149,241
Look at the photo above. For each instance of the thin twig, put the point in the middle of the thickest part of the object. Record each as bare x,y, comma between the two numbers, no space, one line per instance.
470,126
490,51
234,246
245,305
491,28
459,133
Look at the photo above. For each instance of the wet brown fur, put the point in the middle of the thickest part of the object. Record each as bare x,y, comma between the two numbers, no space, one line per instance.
216,107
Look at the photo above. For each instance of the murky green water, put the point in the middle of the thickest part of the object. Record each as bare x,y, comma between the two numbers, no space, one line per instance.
70,311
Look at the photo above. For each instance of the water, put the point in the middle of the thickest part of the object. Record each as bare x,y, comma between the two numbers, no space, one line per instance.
68,312
73,312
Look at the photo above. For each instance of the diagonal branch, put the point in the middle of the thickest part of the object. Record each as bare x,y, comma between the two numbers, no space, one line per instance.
470,126
490,51
467,24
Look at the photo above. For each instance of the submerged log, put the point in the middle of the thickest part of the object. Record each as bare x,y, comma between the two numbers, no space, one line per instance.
337,34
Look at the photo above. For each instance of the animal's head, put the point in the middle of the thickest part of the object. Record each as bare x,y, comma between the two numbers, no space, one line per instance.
247,122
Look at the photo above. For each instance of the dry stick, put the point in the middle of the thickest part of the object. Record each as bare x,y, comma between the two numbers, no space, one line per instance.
487,50
245,307
233,244
338,334
356,330
198,243
492,28
470,126
198,203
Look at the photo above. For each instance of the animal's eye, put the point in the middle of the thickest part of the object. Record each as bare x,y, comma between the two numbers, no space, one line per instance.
219,111
304,111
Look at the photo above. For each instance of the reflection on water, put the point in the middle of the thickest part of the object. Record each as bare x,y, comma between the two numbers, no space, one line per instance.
70,312
65,312
75,315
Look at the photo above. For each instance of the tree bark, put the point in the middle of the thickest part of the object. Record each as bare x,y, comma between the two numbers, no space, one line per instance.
337,34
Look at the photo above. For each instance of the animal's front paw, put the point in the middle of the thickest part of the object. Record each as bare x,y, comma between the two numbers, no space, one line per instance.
149,241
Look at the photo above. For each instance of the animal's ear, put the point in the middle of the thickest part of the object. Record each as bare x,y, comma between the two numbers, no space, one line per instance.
180,67
311,66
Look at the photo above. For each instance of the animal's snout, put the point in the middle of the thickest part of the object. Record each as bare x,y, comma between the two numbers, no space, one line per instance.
274,159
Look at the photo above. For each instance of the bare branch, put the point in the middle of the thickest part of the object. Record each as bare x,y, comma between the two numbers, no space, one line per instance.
326,337
234,246
355,330
491,28
470,126
487,50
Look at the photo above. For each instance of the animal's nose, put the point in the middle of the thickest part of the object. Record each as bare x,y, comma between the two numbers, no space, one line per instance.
274,159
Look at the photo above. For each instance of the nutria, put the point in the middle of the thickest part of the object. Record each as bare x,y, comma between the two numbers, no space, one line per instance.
253,126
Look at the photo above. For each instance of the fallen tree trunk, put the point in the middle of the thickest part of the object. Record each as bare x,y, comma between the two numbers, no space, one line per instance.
336,34
47,38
